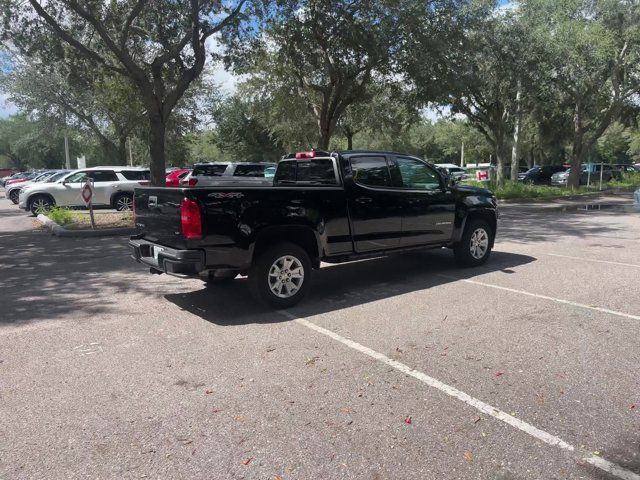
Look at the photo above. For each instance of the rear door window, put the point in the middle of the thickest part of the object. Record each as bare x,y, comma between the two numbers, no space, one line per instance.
214,170
371,171
103,176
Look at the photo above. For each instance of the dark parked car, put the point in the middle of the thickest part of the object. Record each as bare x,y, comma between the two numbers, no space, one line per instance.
608,173
321,207
540,175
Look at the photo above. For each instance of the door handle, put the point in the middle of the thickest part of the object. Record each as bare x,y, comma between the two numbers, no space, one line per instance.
363,200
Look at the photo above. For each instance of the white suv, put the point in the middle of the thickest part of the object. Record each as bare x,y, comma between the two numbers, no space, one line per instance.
113,186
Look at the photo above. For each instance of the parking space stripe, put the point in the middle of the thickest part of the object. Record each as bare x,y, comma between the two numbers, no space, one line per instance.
543,297
583,259
483,407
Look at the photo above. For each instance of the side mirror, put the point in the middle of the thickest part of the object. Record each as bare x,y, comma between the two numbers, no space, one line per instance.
64,182
452,181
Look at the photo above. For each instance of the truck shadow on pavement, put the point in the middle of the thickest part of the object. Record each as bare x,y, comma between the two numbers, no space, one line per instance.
552,225
335,287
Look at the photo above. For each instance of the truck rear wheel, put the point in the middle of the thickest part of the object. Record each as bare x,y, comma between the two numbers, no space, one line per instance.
474,247
280,275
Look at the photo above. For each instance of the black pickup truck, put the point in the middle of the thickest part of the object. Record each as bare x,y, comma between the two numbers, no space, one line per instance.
329,207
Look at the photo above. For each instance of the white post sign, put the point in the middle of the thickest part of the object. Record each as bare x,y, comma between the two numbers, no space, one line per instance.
82,162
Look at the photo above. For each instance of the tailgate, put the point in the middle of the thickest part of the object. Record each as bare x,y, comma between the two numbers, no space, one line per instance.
157,215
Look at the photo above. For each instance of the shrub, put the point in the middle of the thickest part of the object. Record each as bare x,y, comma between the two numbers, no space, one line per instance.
627,179
515,190
62,216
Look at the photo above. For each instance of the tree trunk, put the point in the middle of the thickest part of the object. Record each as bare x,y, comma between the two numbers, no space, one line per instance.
349,136
500,158
325,138
515,161
122,151
578,148
157,131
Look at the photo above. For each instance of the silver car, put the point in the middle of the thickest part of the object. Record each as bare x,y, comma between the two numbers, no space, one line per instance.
230,173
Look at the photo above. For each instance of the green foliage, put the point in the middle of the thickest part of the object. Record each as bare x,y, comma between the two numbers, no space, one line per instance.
587,63
62,216
626,180
240,134
158,48
613,145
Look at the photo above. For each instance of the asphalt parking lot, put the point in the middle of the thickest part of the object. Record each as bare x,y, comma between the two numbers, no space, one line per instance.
396,368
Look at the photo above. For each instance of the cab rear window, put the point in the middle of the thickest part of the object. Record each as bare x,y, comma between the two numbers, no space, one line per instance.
310,172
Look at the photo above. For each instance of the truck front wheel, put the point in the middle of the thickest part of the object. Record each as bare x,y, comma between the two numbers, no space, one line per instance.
474,247
280,275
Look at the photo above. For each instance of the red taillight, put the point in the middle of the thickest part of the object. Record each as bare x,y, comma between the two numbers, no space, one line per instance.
305,155
193,181
190,219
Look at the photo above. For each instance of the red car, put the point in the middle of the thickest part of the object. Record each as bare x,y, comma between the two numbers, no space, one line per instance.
173,179
26,178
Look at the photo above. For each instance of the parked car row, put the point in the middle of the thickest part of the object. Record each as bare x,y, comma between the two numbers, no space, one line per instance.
113,186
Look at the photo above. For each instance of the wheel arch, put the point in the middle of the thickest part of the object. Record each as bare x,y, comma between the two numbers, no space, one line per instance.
479,214
303,236
115,195
33,195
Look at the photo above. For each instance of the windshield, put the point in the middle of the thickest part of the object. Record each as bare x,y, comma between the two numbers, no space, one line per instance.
56,176
42,177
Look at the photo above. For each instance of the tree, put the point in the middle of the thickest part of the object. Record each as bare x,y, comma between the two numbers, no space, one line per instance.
591,52
391,110
160,47
613,145
488,82
449,136
240,133
326,52
104,104
33,144
329,53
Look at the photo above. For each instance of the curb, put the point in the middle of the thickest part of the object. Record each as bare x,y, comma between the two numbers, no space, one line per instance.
577,196
60,231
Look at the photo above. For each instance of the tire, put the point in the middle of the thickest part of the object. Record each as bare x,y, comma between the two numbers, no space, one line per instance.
40,204
123,202
14,195
474,247
290,259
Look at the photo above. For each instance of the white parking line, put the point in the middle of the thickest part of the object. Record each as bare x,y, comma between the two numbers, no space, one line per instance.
483,407
544,297
592,260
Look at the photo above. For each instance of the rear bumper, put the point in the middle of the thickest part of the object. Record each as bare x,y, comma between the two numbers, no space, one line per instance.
179,263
